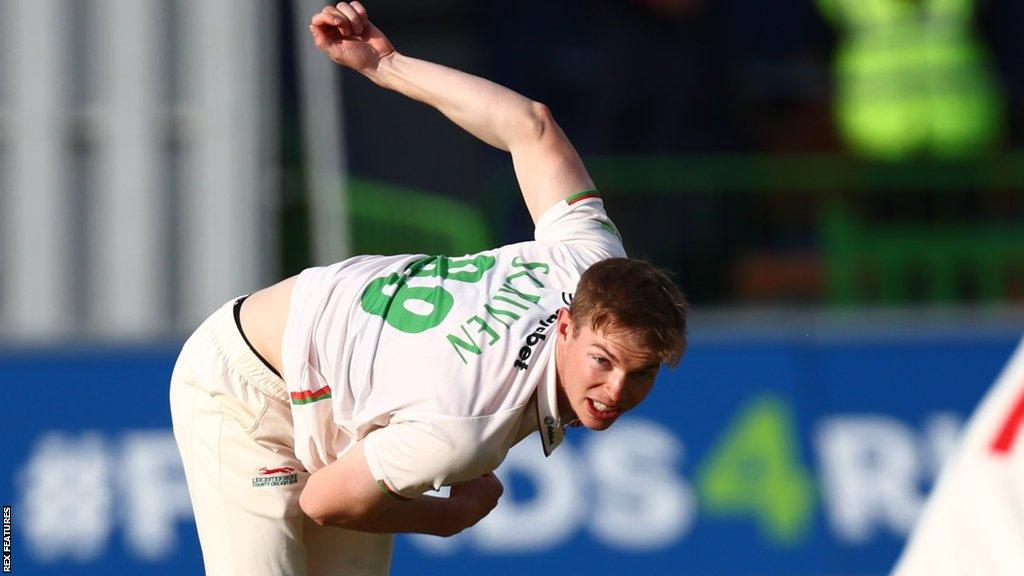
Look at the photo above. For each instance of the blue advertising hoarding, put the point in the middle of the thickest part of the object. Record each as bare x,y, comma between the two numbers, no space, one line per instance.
770,454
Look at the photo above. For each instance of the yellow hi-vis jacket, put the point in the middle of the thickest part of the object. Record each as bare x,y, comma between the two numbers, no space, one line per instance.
911,78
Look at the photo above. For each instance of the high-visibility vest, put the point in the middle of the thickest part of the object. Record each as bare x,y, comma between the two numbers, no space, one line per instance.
912,78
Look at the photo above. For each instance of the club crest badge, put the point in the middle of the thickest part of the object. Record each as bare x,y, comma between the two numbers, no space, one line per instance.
282,476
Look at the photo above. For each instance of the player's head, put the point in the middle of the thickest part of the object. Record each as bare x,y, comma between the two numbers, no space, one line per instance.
627,318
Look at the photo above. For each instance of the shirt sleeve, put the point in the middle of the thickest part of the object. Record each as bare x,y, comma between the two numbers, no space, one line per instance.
580,221
410,457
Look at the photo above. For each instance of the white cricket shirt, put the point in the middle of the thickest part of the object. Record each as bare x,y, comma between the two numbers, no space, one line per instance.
434,361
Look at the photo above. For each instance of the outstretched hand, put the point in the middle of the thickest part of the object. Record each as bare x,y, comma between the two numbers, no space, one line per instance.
345,34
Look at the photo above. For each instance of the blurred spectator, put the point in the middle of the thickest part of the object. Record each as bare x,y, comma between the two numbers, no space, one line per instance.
912,78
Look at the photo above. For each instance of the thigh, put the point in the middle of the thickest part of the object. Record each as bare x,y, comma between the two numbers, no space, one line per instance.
243,480
335,552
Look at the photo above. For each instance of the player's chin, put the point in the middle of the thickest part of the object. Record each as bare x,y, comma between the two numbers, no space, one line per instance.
598,425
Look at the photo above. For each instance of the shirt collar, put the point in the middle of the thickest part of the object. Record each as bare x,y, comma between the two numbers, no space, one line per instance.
548,421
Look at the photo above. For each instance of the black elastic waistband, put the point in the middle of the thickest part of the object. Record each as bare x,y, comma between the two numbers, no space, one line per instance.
238,323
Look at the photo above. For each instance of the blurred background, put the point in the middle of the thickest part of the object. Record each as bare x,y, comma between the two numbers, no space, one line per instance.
838,185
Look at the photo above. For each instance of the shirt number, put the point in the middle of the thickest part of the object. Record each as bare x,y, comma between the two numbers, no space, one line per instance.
413,309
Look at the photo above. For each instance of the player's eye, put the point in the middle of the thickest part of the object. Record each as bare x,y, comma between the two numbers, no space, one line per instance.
601,360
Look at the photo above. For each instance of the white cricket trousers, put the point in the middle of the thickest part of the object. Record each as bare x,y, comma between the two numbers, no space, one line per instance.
232,422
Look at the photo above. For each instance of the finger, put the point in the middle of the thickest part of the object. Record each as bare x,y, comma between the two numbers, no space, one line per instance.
328,17
324,37
322,19
323,32
352,15
338,19
361,11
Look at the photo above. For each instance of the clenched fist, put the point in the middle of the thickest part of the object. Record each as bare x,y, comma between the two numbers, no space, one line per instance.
344,33
475,499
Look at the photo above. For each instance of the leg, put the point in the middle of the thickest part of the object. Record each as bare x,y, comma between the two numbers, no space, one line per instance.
336,552
227,431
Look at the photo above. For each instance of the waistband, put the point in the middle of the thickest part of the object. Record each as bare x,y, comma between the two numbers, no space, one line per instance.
228,337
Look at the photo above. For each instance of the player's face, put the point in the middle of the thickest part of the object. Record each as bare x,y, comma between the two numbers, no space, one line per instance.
600,376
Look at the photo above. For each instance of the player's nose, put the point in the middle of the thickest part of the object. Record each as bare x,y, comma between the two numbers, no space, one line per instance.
614,387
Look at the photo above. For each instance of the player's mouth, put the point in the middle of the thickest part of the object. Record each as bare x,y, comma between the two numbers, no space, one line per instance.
601,411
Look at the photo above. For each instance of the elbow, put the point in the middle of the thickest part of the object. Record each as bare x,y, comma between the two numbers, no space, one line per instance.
311,507
540,123
325,511
529,125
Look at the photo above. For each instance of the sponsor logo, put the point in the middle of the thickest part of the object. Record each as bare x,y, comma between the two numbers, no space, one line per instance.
282,476
549,424
537,336
271,471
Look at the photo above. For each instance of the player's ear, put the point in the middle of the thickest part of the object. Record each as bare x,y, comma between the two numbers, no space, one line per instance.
566,327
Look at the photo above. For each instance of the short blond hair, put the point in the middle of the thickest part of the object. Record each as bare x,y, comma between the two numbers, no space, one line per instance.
629,296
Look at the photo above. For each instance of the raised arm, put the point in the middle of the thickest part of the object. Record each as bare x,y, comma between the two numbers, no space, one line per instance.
546,164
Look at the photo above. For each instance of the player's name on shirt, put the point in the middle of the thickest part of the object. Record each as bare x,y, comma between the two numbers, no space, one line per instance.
517,296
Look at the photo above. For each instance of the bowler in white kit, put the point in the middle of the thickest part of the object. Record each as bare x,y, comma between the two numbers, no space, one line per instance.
314,416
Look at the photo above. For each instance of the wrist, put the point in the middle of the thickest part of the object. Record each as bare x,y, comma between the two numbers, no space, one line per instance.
384,70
